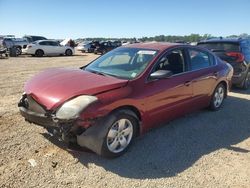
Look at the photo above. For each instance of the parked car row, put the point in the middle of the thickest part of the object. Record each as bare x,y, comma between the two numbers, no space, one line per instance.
36,46
124,93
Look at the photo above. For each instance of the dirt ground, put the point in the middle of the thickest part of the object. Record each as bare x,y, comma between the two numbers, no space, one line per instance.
203,149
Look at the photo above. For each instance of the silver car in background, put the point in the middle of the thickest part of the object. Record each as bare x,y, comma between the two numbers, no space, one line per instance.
86,46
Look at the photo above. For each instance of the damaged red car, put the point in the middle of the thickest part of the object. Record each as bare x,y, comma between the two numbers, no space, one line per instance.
124,93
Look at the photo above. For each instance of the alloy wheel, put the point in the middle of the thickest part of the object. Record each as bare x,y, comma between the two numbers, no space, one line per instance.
119,135
219,97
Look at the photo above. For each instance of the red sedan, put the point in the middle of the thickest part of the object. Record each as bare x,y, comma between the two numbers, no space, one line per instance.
106,104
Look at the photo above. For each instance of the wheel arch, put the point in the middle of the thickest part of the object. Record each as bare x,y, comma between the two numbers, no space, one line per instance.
39,49
131,110
18,46
68,49
225,85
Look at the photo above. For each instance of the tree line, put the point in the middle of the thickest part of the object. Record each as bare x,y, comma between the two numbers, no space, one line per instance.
172,38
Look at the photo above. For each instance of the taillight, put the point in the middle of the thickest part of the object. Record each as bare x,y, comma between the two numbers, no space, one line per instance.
29,46
239,57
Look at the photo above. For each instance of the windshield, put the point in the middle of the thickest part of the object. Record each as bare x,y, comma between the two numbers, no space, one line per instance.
125,63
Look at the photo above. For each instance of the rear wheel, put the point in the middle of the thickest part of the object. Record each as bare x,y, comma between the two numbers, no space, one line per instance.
68,52
18,51
39,53
122,130
218,97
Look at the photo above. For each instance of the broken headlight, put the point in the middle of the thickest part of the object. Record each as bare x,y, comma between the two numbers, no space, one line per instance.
72,108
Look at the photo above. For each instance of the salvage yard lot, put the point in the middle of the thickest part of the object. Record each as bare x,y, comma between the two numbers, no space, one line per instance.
202,149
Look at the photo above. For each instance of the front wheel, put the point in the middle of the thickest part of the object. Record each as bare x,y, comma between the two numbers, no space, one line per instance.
68,52
218,97
39,53
121,132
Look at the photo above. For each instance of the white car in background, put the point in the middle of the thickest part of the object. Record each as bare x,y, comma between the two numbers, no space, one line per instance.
47,47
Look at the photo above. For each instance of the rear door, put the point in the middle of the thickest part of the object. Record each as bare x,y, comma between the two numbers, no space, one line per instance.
45,46
202,65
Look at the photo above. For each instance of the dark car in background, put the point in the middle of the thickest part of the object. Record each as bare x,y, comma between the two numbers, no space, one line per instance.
105,47
124,93
236,52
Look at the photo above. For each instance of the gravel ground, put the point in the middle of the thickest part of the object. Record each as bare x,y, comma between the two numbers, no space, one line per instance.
203,149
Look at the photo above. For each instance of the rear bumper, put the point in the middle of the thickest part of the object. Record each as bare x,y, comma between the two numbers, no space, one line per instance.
239,78
27,51
240,73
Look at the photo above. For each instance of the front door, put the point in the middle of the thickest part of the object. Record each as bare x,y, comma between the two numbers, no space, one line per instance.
170,97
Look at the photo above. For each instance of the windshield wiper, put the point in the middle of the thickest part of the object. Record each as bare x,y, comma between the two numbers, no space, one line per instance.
105,74
97,72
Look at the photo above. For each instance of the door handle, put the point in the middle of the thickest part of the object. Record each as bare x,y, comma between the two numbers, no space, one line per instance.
187,83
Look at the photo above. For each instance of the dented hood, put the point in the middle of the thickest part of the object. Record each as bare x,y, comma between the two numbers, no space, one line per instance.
53,87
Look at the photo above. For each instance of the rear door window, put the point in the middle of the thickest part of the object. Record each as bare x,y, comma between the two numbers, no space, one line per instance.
199,59
44,43
52,43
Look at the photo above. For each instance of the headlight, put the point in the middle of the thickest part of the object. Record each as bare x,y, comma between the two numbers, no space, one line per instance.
71,109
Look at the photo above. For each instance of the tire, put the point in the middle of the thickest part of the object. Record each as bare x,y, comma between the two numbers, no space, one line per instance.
68,52
218,97
18,51
246,82
104,52
39,53
122,129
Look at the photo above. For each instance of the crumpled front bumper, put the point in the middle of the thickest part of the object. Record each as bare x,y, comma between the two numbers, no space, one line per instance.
34,112
68,131
37,118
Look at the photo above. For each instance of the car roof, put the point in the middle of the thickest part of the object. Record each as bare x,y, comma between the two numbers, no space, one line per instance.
46,41
154,45
33,36
229,40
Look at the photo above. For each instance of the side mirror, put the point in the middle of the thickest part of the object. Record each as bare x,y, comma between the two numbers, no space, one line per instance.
160,74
